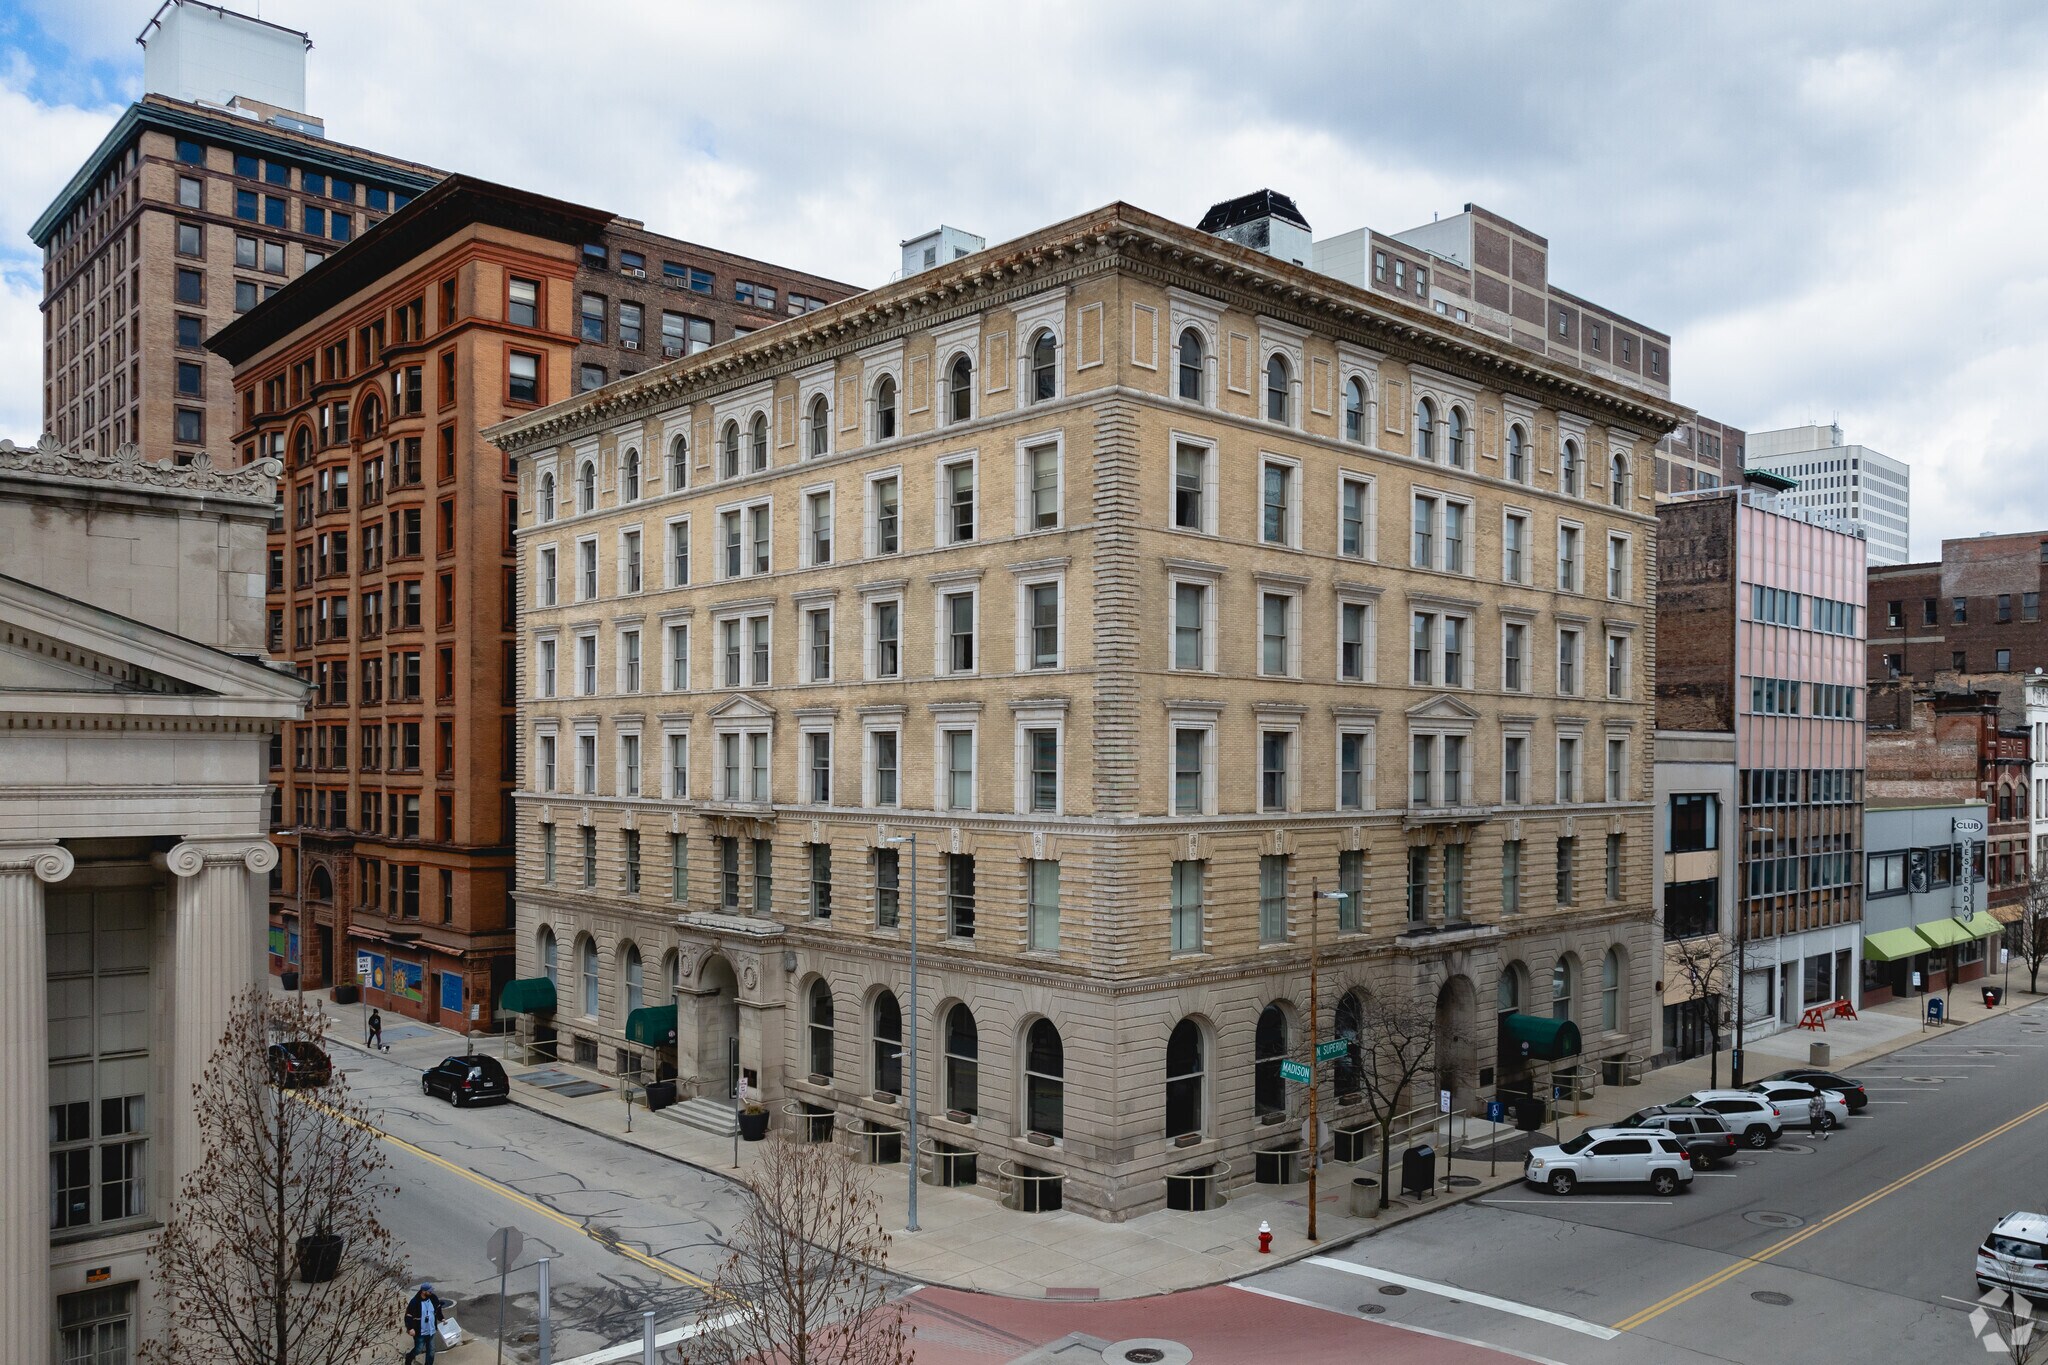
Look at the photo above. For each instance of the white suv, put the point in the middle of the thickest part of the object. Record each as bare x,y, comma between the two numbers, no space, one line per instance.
1609,1155
1795,1102
2015,1255
1750,1116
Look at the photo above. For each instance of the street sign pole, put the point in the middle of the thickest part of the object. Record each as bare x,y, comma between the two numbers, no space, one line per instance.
547,1322
1315,1132
503,1250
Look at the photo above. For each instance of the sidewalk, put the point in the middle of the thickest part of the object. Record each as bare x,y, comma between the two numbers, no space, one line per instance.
970,1241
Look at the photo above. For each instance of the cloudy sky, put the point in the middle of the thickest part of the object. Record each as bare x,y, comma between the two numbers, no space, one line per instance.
1836,210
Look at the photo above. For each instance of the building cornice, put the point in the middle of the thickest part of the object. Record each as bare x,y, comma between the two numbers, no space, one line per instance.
58,469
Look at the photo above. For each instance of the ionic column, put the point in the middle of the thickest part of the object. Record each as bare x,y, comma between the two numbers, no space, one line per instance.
25,1081
217,935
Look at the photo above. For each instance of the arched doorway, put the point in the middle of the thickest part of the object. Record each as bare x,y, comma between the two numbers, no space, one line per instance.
318,913
1457,1040
716,1010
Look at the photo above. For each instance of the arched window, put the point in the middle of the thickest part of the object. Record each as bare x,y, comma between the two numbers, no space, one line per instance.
757,442
821,426
1561,983
1192,365
1618,481
1518,455
629,476
547,497
548,963
1269,1049
586,971
373,415
1184,1077
960,390
1354,409
729,452
821,1030
1279,390
1425,431
1350,1030
885,408
2004,801
322,888
302,447
1612,969
586,487
635,980
1045,1080
1045,367
1514,987
888,1024
1568,468
963,1061
672,972
1457,437
679,463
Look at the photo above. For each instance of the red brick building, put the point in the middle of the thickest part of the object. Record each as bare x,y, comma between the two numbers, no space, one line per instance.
1974,612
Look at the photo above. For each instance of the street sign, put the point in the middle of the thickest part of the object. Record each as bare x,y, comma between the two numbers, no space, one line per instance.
1968,825
504,1248
1443,1101
1496,1111
1332,1050
363,965
1294,1071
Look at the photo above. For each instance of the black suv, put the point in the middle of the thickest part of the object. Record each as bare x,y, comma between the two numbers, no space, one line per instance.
1850,1091
299,1065
1705,1137
465,1080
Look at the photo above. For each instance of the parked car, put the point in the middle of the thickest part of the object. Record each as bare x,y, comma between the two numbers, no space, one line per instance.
299,1065
1602,1156
1795,1102
1706,1137
1750,1115
1852,1092
465,1080
2014,1255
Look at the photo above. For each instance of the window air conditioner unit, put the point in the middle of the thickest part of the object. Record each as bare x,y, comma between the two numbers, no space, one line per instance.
671,348
633,270
630,345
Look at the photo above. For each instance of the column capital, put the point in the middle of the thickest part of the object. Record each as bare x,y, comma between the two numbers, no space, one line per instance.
48,862
189,858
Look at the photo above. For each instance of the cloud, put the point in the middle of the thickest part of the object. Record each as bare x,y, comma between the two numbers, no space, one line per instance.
1827,205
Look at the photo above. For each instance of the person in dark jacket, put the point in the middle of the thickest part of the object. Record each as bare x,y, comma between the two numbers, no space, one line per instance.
423,1314
1817,1116
376,1031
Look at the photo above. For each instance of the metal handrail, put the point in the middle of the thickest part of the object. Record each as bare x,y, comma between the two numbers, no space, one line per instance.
928,1147
805,1115
1013,1197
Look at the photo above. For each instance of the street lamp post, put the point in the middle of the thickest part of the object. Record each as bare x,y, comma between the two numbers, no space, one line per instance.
1315,1131
910,1221
1741,964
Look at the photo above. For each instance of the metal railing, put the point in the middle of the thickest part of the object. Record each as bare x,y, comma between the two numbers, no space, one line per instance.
1039,1192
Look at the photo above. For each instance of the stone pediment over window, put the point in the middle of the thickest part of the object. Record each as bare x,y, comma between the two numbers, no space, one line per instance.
741,708
1442,708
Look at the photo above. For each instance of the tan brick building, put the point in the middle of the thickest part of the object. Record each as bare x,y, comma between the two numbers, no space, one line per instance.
1153,585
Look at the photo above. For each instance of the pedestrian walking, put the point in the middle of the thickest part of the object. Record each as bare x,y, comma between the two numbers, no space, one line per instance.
376,1037
1817,1117
423,1314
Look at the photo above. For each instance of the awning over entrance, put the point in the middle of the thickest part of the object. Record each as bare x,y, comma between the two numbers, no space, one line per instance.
1943,933
1546,1040
652,1026
1983,924
528,995
1892,945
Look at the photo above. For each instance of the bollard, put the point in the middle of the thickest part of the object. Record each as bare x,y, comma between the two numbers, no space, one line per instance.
1265,1238
647,1356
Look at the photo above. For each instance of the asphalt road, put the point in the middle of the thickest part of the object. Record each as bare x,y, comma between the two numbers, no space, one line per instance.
627,1230
1858,1248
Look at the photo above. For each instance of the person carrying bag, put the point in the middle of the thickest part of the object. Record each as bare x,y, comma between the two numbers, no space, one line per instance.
431,1321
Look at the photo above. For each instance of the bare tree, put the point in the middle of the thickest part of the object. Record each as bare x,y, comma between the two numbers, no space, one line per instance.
292,1181
806,1278
1396,1041
2031,933
1704,965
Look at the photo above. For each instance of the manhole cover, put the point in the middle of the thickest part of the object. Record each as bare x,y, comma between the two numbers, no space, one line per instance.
1920,1080
1372,1308
1147,1351
1393,1291
1772,1297
1795,1148
1770,1218
1745,1161
1461,1181
1144,1355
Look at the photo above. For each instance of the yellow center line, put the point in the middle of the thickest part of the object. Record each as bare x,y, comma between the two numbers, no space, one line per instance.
1729,1272
654,1263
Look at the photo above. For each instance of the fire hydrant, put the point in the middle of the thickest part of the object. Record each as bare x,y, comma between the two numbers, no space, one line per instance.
1265,1238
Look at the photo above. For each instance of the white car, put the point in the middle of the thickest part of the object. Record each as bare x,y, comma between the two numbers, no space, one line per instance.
1598,1156
1749,1115
2015,1255
1795,1100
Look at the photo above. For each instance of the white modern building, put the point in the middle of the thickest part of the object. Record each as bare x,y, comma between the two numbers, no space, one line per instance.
136,719
2037,739
1849,482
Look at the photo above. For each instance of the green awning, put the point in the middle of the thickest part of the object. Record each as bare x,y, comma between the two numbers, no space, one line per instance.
652,1026
1983,924
528,995
1944,933
1893,945
1530,1035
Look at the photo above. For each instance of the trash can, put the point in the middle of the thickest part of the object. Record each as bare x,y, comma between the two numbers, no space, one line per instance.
1418,1170
1992,995
1819,1056
1529,1113
1365,1197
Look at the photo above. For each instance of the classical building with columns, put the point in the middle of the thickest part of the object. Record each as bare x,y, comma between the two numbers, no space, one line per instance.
136,719
1125,612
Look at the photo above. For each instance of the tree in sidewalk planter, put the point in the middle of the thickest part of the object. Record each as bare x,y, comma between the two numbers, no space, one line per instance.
292,1177
1703,966
805,1281
1396,1042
